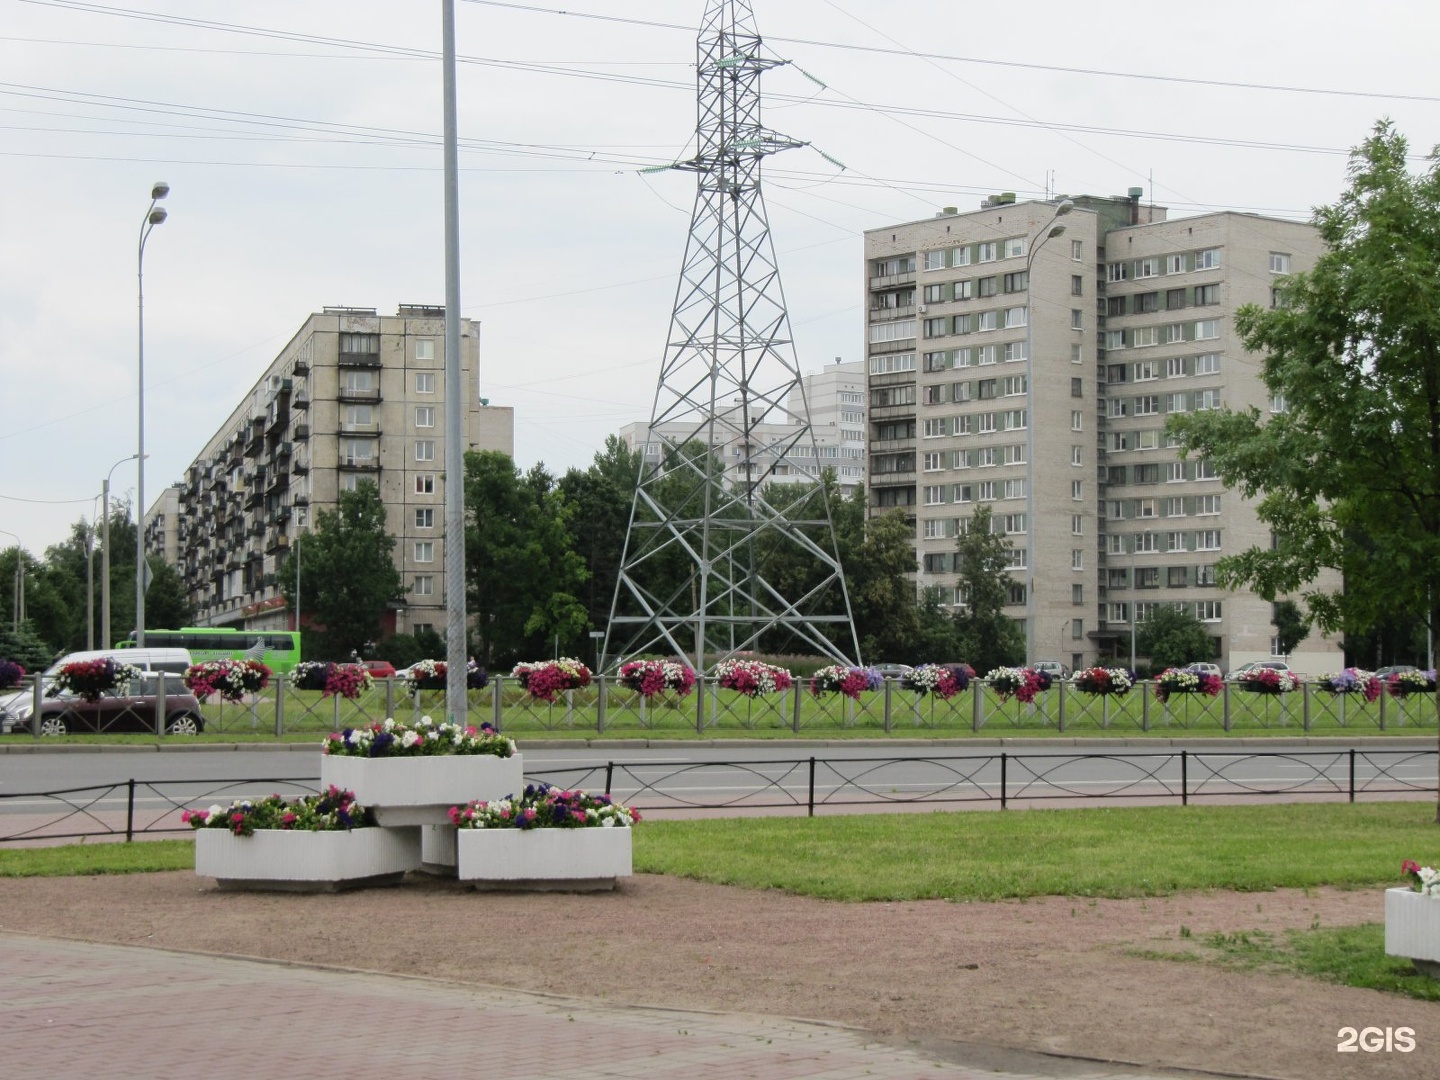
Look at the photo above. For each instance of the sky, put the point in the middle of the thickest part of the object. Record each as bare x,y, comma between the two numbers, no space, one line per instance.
301,141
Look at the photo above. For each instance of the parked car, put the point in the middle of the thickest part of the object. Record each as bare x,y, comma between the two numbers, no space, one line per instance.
1394,669
1240,673
1053,668
68,713
380,669
1205,669
893,671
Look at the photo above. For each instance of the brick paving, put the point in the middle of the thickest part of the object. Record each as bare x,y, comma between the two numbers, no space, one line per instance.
77,1011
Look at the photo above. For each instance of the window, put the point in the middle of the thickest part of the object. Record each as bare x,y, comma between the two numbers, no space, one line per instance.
892,330
1146,370
900,264
1279,262
425,416
1077,524
964,290
1147,268
1117,407
365,344
1147,577
934,496
358,418
424,551
1077,455
424,348
1174,507
986,320
937,361
1174,472
1012,524
1207,399
1207,329
1114,340
1175,541
1012,386
1175,403
1115,545
932,395
1144,508
937,562
1018,281
1077,419
1148,405
1118,271
1015,559
424,382
357,451
987,354
960,391
1012,420
985,286
424,585
425,517
1149,439
424,483
882,396
1013,455
938,528
1119,440
933,462
1115,306
1077,595
1077,250
1119,613
936,294
987,457
1175,367
935,260
1174,264
1013,489
1204,470
1205,575
1077,388
1207,540
1174,299
1117,373
1014,350
1077,354
1207,294
964,493
1207,364
986,492
985,389
1077,319
933,328
1208,610
988,252
424,449
1208,259
1077,490
1017,316
1277,403
1015,247
350,482
883,365
1146,542
1143,336
1077,559
1077,285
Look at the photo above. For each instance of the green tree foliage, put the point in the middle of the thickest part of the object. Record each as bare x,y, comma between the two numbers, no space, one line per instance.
600,500
525,576
877,573
349,576
25,647
937,636
988,638
1291,625
1349,474
1171,638
166,605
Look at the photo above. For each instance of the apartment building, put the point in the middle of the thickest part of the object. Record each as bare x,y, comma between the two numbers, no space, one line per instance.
355,396
1025,356
834,398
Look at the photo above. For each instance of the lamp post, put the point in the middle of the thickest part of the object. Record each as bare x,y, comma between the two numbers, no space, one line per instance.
105,554
90,579
1049,231
19,612
155,215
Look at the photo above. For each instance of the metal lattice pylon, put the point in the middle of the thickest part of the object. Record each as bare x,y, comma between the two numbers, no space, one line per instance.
718,558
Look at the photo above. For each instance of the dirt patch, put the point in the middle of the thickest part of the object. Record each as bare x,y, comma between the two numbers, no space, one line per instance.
1053,975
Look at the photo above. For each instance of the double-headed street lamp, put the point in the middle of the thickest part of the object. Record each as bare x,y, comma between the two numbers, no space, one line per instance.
1032,531
153,216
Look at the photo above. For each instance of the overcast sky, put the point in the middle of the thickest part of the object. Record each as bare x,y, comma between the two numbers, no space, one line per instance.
301,140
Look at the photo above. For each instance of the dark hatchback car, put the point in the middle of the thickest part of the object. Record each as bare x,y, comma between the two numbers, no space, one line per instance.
117,713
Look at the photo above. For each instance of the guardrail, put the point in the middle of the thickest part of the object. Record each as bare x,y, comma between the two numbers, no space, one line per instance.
144,808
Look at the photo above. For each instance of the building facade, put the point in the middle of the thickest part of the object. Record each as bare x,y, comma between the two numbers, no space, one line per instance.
355,396
834,399
1025,356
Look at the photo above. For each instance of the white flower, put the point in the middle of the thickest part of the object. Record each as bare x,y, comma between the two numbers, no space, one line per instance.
608,823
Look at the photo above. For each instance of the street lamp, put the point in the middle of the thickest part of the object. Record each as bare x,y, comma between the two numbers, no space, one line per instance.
105,554
1032,533
155,215
19,612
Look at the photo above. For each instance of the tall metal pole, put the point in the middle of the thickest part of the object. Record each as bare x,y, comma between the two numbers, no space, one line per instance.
456,652
90,580
105,554
1032,531
19,601
153,216
297,584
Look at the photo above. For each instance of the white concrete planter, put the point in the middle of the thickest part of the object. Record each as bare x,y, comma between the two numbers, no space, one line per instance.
286,861
568,860
1412,928
420,790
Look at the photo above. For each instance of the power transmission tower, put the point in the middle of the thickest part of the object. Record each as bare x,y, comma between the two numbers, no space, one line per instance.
718,557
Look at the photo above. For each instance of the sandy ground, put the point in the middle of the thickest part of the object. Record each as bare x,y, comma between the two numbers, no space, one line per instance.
1056,975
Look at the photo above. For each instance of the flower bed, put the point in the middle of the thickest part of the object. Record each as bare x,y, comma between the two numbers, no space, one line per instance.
10,674
334,810
1178,681
1405,683
1103,680
546,680
1021,683
942,680
338,680
541,806
90,678
1268,681
231,679
1351,681
751,677
652,677
1412,918
432,675
850,681
425,738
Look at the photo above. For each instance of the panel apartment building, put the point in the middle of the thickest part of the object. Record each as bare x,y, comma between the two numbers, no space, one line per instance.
1028,367
835,396
355,396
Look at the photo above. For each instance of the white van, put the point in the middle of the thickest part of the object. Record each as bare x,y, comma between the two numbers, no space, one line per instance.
170,661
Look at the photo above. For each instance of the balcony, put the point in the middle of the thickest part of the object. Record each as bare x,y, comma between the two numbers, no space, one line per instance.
301,366
366,464
359,359
301,401
368,431
300,431
346,394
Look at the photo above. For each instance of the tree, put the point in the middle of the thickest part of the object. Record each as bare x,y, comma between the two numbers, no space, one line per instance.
1349,472
350,576
600,497
167,607
24,646
1172,638
877,569
988,637
1291,625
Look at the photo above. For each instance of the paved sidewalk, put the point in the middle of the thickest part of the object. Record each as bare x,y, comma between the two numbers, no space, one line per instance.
79,1011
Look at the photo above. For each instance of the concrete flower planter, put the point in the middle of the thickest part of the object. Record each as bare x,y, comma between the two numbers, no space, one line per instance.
421,790
564,860
1412,928
285,861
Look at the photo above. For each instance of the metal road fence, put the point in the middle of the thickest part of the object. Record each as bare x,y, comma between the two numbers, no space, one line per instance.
149,808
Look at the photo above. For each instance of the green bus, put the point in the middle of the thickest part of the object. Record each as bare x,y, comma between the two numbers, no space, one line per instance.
278,649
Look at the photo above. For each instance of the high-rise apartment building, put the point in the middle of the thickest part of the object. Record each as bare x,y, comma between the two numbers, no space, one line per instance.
354,397
835,402
1025,356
